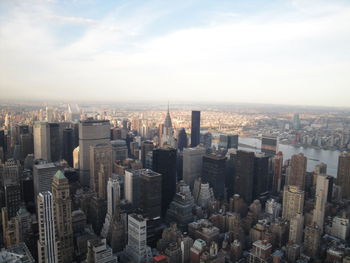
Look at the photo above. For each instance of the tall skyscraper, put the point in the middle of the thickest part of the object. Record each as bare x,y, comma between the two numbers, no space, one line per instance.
312,240
137,239
27,144
343,175
297,173
150,193
43,175
277,163
55,142
206,140
68,146
12,199
269,145
261,173
119,150
182,139
132,187
99,252
214,168
47,244
321,200
100,168
168,132
146,147
91,133
296,228
243,183
293,202
195,128
42,141
164,162
296,121
63,216
192,164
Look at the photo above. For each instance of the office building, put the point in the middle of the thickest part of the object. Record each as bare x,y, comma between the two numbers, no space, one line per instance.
321,201
182,140
119,150
214,169
132,187
68,146
146,147
137,248
63,216
293,202
296,121
297,172
296,228
150,193
312,239
91,133
195,128
192,164
167,132
48,247
277,164
99,252
12,199
228,141
243,183
42,141
27,144
339,227
343,175
269,145
261,175
100,168
164,162
206,140
43,175
261,252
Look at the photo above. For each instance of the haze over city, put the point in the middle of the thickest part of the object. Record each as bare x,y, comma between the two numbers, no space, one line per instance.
282,52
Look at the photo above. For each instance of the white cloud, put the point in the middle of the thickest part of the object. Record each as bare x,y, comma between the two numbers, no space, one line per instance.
296,57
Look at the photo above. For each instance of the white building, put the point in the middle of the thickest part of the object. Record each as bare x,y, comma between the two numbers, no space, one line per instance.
47,243
339,227
137,247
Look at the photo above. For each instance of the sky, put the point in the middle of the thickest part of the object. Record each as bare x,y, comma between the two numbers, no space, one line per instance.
294,52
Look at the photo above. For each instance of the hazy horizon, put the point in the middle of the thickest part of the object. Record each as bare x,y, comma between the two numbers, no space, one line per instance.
292,52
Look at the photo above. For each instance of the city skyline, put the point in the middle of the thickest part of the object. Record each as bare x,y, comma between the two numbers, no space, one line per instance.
286,52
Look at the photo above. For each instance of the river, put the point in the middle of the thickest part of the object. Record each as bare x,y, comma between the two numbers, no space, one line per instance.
314,156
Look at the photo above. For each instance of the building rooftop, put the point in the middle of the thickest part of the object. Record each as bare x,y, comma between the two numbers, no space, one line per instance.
59,175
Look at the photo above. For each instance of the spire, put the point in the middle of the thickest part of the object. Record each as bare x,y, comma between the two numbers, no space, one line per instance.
167,122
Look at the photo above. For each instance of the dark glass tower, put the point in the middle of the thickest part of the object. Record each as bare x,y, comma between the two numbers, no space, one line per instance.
214,171
55,150
182,140
68,146
195,128
244,175
164,162
261,167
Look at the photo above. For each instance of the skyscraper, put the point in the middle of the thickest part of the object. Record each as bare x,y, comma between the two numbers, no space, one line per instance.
146,147
321,200
269,145
192,164
42,141
42,176
293,202
100,168
277,163
63,216
132,187
182,139
167,132
68,145
47,244
343,175
164,162
297,173
296,227
214,168
296,121
150,193
137,239
243,183
195,128
119,150
91,133
206,140
12,199
261,167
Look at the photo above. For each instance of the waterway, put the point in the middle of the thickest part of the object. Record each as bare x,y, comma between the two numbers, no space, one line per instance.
314,156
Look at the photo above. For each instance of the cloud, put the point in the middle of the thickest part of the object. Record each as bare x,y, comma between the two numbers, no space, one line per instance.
294,56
